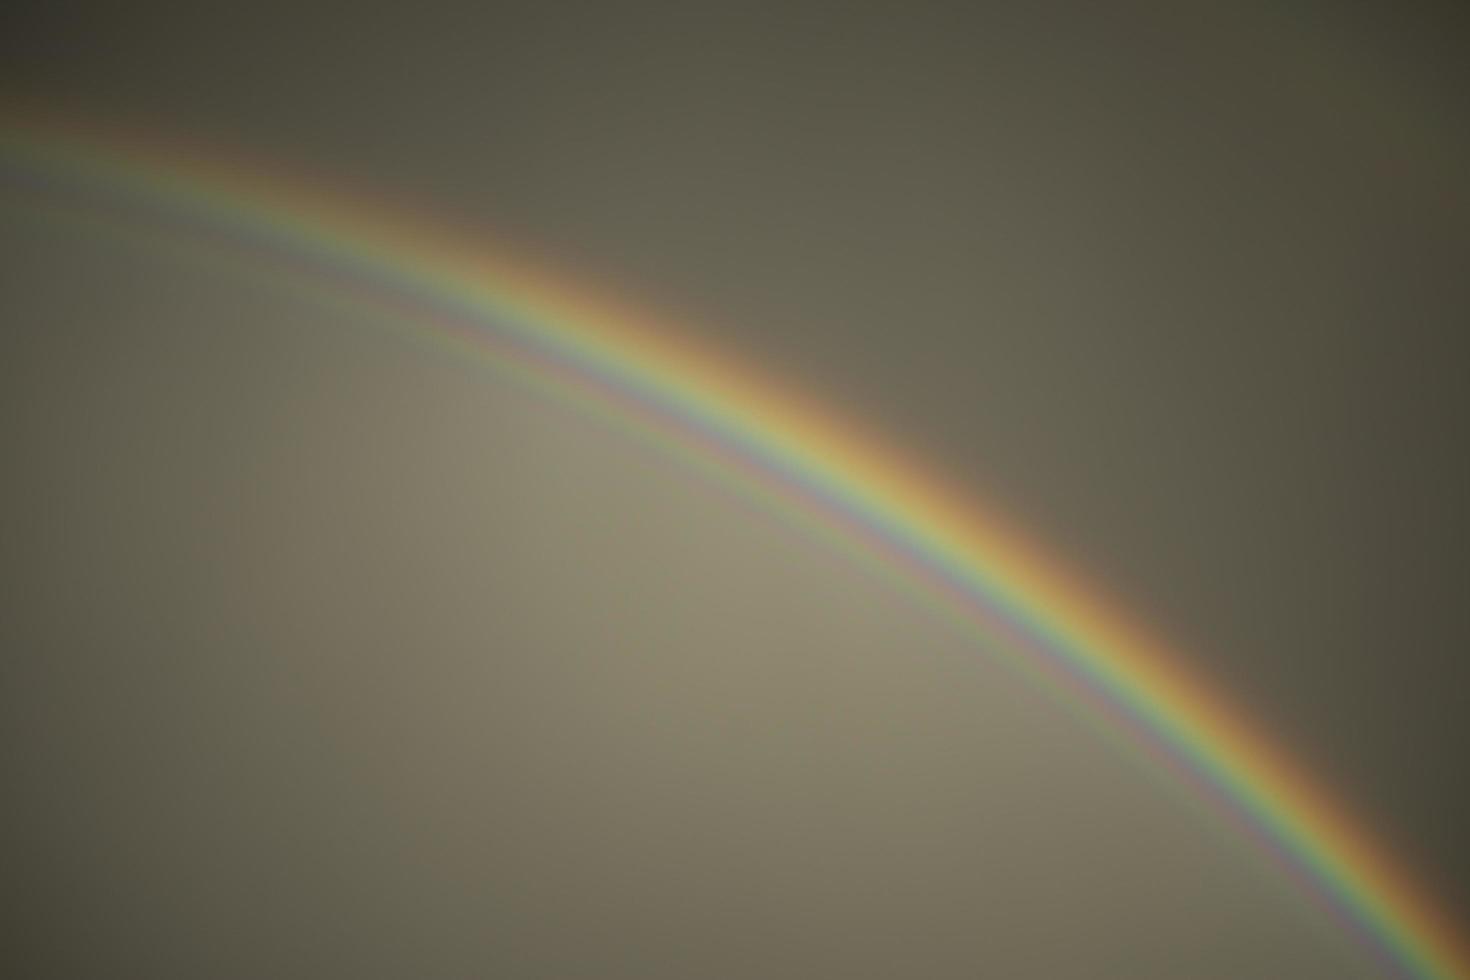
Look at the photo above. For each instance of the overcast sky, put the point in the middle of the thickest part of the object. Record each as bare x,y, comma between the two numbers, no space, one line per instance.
1183,289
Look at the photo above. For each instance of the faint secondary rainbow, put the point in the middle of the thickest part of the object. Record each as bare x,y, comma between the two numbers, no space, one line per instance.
865,497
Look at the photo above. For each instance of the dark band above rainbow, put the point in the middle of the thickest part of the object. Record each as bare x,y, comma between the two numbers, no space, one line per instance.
648,377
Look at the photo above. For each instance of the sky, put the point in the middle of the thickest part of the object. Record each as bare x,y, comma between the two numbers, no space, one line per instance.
331,656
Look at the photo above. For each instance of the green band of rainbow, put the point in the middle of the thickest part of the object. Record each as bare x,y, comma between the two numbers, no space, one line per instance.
720,416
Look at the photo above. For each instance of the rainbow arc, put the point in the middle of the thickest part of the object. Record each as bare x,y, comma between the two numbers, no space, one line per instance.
734,420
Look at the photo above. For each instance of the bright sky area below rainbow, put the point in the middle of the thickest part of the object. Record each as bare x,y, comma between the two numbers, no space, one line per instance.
648,377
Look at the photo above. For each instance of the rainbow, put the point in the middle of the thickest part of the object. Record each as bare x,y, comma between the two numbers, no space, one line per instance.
752,432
